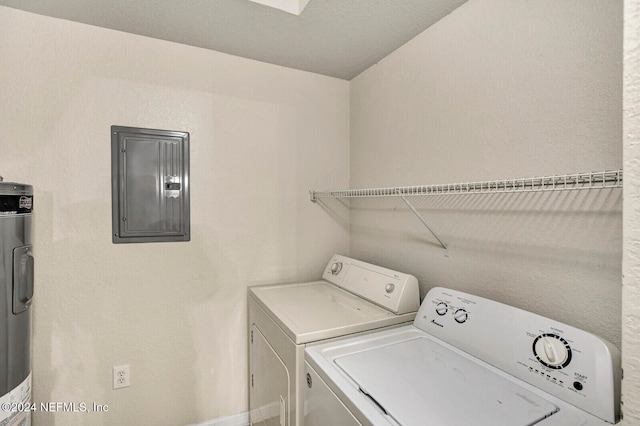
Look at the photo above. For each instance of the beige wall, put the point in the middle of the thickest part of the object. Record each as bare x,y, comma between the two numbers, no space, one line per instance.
261,137
631,213
499,89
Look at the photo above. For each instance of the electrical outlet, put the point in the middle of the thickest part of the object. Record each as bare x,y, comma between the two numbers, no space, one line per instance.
120,376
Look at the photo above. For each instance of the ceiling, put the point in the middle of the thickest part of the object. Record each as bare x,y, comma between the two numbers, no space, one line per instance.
338,38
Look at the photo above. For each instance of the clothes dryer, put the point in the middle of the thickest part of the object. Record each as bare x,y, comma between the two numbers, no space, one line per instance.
352,297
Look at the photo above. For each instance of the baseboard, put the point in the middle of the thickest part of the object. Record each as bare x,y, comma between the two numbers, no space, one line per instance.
240,419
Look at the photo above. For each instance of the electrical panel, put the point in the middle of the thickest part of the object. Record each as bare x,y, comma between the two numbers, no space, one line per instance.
149,185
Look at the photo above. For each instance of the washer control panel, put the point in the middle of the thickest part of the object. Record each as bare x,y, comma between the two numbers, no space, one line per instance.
460,315
390,289
567,362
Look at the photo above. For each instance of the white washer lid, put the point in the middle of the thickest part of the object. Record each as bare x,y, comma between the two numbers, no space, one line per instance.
419,381
314,311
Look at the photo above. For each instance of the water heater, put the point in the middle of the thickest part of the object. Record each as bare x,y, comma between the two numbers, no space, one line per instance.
16,293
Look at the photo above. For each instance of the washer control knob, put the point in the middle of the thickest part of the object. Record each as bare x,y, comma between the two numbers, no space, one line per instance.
461,315
441,308
336,268
390,287
552,351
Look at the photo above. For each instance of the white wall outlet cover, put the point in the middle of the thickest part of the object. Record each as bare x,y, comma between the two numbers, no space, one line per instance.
121,376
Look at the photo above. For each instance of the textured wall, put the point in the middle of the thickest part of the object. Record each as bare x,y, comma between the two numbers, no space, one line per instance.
500,89
631,213
261,136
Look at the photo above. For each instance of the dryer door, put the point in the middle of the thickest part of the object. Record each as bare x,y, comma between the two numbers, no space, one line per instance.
269,384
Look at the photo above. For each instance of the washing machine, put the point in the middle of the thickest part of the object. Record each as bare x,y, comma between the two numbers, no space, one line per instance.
465,360
352,297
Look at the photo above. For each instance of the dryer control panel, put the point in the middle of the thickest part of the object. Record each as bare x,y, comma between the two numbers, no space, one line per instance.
390,289
576,366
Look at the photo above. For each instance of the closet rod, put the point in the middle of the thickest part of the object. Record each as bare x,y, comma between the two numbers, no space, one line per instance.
574,181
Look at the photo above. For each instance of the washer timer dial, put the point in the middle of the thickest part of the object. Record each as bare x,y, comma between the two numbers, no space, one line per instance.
552,350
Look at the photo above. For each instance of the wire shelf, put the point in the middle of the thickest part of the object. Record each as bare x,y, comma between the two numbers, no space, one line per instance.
576,181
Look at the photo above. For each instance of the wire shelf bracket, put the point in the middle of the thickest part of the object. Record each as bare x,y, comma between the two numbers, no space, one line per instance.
421,219
567,182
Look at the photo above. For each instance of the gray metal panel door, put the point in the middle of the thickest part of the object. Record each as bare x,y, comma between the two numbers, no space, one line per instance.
151,185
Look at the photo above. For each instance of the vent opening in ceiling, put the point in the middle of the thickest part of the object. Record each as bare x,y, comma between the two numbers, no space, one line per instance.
294,7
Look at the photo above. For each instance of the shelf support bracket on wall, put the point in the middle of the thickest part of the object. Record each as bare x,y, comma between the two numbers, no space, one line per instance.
421,219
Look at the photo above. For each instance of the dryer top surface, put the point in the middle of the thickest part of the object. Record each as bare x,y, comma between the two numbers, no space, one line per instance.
318,310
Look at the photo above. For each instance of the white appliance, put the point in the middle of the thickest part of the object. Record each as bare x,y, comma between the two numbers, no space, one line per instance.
465,361
352,297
